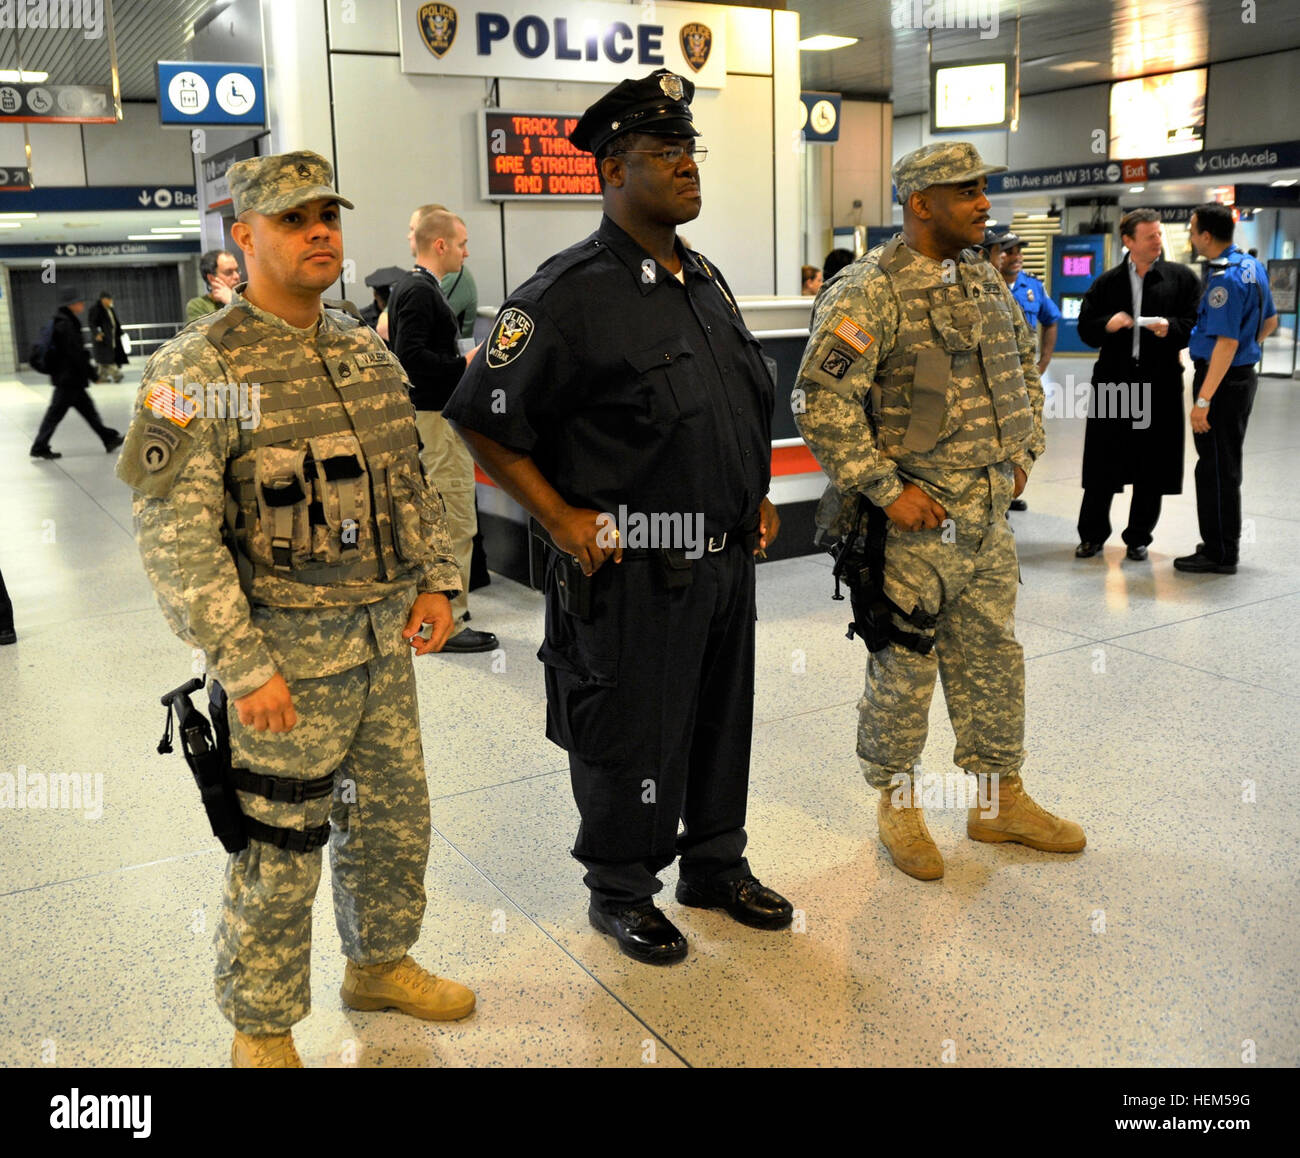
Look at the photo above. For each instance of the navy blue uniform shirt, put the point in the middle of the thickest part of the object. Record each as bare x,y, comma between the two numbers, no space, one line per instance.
1236,301
626,386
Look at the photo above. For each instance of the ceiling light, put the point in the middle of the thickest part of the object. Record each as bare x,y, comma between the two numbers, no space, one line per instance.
154,237
1137,189
1283,182
189,221
1076,65
15,216
175,229
13,76
11,224
825,43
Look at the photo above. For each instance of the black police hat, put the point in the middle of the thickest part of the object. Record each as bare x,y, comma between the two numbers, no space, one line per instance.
659,103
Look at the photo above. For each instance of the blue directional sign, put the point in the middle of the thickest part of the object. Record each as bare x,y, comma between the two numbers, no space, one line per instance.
210,94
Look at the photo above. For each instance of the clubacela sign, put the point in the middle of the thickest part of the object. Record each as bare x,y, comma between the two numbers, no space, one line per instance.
541,40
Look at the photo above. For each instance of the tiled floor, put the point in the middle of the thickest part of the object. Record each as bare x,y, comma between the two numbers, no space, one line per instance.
1162,716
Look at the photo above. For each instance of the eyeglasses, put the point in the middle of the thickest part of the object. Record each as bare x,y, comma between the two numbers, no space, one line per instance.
671,154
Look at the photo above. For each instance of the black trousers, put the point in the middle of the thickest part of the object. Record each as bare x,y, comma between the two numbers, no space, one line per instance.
653,696
6,608
1143,514
1218,460
70,398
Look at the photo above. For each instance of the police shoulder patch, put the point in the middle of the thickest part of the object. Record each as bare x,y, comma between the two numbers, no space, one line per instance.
1218,297
509,337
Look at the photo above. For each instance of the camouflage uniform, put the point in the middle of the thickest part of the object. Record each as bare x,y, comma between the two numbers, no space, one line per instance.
924,371
297,544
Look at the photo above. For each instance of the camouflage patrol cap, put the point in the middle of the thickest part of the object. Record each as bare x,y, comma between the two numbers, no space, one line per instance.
659,104
281,181
946,163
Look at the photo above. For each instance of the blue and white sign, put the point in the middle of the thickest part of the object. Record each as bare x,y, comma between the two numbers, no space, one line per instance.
81,198
211,94
564,40
98,249
820,116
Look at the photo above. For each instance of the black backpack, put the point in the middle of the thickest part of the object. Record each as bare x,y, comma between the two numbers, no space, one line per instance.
41,359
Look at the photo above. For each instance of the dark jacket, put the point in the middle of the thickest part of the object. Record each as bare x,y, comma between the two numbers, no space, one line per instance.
68,353
1144,442
108,349
422,332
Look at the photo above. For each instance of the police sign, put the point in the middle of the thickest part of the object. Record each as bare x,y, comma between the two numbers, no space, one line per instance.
557,40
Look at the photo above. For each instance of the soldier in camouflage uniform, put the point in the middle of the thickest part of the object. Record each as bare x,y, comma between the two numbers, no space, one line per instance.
298,545
921,395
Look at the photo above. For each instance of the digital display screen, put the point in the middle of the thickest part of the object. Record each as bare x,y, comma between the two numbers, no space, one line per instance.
1071,304
1076,264
969,95
1155,116
528,155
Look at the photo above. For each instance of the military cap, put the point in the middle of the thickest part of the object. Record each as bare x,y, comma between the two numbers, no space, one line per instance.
659,103
281,181
70,295
385,275
947,163
1006,238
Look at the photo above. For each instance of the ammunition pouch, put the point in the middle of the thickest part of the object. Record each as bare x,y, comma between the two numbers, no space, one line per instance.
206,748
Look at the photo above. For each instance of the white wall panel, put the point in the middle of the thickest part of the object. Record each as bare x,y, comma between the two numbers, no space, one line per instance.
787,159
362,25
749,39
137,151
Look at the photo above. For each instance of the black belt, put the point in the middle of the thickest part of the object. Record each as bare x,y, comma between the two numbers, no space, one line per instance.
737,536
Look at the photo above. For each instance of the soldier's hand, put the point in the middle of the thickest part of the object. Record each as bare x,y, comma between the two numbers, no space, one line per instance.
577,533
914,510
269,709
1021,480
769,526
1119,321
430,608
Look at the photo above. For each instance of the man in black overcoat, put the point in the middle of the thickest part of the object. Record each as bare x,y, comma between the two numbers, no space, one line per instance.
1140,314
106,332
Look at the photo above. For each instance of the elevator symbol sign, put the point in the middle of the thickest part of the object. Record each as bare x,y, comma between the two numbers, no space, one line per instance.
211,94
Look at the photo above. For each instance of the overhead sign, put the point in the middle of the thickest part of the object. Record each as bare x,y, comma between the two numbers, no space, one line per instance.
819,116
1211,163
87,104
970,96
98,249
64,198
210,94
15,179
563,40
527,156
216,189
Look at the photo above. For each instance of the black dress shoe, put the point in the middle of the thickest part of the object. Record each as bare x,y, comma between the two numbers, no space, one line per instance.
1199,563
1086,550
45,452
469,640
1019,505
8,635
642,932
1138,554
749,901
114,442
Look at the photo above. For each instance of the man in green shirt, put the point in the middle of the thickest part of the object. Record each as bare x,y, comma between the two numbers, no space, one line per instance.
220,273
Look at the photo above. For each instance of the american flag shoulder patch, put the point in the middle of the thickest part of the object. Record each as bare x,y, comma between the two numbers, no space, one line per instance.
853,335
164,402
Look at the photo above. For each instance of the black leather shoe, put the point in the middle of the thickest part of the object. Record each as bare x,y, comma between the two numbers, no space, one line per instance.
8,635
45,452
468,640
1019,505
113,443
749,901
1199,562
642,932
1086,550
1138,554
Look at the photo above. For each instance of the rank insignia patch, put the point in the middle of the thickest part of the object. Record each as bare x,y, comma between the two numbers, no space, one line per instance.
1218,297
837,363
697,42
164,402
437,27
509,337
853,335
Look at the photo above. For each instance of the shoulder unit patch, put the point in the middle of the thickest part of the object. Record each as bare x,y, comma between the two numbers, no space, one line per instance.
509,337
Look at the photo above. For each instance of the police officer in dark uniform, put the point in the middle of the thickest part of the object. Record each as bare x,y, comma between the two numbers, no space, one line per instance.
622,401
1236,314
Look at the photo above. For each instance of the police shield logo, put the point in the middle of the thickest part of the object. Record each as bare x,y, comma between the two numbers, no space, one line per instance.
509,337
437,27
697,42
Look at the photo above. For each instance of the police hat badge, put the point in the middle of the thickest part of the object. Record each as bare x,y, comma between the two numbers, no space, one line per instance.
697,41
437,27
670,84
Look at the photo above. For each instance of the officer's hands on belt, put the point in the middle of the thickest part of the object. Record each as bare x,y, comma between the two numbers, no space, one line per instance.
576,532
433,609
914,510
769,526
269,709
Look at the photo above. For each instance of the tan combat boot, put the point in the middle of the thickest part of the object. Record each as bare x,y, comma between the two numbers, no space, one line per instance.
272,1051
403,985
904,835
1020,819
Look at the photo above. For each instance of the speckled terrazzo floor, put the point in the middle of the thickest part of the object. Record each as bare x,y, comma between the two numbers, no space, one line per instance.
1162,716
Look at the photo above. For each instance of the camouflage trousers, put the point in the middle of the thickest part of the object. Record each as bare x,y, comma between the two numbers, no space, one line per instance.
966,575
362,726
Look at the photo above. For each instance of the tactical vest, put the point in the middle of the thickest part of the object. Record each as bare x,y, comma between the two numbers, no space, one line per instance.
328,486
953,375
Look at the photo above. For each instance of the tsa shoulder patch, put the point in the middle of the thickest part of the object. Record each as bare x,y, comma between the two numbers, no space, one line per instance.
1218,297
164,402
852,335
509,337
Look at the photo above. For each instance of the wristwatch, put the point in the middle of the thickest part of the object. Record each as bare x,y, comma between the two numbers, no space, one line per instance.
1202,404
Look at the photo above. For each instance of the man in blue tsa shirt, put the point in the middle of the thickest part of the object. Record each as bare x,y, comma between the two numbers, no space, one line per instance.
1236,314
620,399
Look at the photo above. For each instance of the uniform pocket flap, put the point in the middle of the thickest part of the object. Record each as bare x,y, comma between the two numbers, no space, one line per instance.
596,671
661,354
